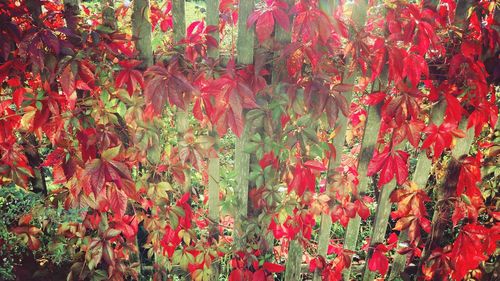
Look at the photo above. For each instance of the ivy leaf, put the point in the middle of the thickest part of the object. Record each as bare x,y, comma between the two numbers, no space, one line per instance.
93,255
265,26
486,112
128,225
166,83
100,171
117,201
129,76
67,80
29,233
374,98
469,176
410,201
225,98
472,246
454,110
413,67
379,262
403,106
269,159
440,138
303,179
410,130
315,165
272,267
463,209
396,57
390,164
265,18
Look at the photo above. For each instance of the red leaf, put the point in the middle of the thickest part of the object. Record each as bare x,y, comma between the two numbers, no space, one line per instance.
440,137
240,275
454,110
117,201
67,81
409,130
282,19
129,76
362,209
413,67
94,177
469,176
18,96
472,246
100,171
56,157
391,164
225,98
265,26
315,165
272,267
166,83
259,275
269,159
303,179
378,261
486,112
396,57
374,98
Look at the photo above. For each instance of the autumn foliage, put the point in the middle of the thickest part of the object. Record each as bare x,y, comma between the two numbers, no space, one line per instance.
87,125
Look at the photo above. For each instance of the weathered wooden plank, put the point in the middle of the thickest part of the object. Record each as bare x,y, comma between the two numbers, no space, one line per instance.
141,31
424,164
326,221
367,147
213,162
359,18
179,19
420,178
381,222
245,52
213,19
292,272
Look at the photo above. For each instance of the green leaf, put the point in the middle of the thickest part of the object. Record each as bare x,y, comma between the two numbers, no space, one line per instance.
154,154
256,138
310,133
121,109
110,233
250,147
111,153
38,105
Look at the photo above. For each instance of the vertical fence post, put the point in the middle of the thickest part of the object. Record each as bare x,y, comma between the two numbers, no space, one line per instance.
213,19
141,31
292,271
181,116
462,147
213,160
245,52
381,222
420,178
368,143
359,18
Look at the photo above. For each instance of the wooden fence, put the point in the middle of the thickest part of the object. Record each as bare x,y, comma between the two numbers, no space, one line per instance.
245,55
